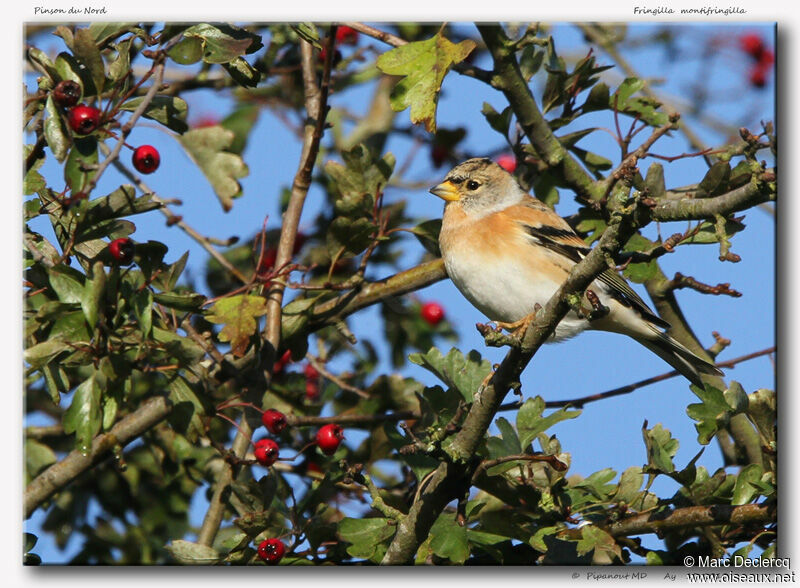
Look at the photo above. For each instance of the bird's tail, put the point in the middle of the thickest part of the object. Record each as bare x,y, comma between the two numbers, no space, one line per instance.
679,357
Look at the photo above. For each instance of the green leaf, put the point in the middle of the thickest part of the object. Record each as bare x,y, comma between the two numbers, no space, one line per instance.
715,181
707,233
500,122
207,148
654,182
142,304
506,444
530,421
182,301
747,484
183,349
83,415
350,236
464,374
530,61
238,314
762,412
192,554
241,121
661,448
170,111
67,282
712,414
103,32
223,43
242,72
423,65
93,290
88,55
38,457
601,545
359,181
630,484
597,98
40,354
55,132
365,535
32,183
187,409
308,32
41,62
449,539
736,397
626,89
121,66
81,163
639,272
295,315
427,233
120,203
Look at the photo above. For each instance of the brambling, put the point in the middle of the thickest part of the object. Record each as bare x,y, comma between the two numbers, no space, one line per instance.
506,252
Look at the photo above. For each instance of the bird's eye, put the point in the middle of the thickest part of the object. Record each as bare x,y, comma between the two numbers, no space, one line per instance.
472,185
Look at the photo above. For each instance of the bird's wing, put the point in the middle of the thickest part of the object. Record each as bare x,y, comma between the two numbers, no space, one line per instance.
547,229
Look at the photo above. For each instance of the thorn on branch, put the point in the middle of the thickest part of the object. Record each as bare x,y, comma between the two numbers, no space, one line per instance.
681,281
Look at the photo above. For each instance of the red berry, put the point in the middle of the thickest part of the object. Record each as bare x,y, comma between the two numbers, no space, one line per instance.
312,389
122,250
507,162
767,58
83,119
347,36
323,55
266,452
439,154
267,260
752,44
329,437
310,372
313,468
758,76
67,93
271,550
274,421
284,359
205,121
146,159
432,313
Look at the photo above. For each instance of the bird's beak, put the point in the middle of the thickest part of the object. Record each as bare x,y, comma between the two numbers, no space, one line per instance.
446,191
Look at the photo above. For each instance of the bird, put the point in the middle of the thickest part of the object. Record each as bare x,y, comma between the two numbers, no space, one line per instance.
508,253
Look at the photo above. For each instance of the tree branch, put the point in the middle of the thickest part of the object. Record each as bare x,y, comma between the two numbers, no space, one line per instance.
695,516
507,77
58,475
316,108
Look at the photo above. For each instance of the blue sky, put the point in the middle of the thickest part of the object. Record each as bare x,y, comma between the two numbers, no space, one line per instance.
608,433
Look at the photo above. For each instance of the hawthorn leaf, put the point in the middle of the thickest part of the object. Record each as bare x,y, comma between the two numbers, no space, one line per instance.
423,65
195,554
84,414
207,147
223,43
464,374
55,132
170,111
238,314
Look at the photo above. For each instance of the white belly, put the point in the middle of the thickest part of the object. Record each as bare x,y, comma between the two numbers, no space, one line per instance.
508,291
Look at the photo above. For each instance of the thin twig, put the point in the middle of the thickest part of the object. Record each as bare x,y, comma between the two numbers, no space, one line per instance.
320,367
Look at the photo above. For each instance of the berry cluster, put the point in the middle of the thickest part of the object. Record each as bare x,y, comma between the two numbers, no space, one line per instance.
762,58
